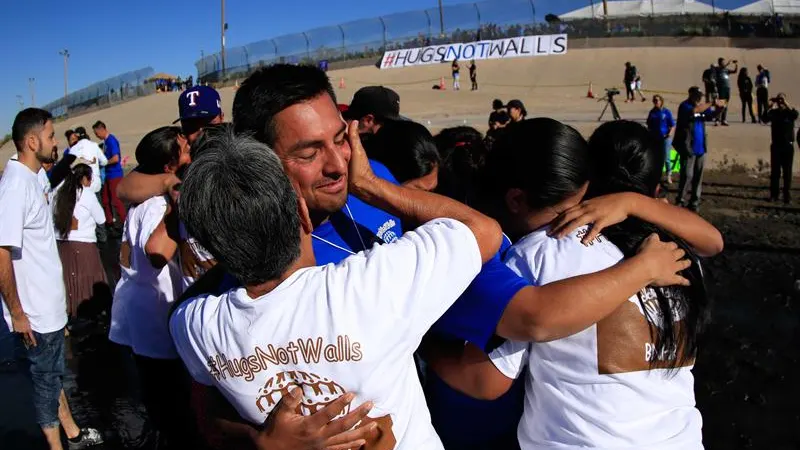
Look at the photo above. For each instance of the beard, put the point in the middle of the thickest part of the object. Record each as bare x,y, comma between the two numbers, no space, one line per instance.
46,156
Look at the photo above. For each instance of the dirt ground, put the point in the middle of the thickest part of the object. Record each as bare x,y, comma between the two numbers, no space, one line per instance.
746,375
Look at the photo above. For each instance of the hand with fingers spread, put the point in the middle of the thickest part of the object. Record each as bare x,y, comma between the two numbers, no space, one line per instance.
600,212
665,261
360,172
287,429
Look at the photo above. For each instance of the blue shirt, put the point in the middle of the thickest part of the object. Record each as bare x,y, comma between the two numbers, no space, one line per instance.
356,227
696,125
475,315
463,422
659,121
111,149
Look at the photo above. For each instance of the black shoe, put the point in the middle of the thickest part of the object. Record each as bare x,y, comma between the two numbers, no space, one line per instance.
89,437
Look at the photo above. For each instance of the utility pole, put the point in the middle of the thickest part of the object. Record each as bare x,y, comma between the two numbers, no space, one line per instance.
65,54
224,27
20,102
605,8
32,86
441,19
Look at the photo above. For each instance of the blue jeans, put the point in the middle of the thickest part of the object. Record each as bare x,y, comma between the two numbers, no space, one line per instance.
46,368
667,151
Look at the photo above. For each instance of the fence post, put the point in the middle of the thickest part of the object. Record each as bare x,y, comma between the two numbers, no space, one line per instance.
344,48
384,32
429,22
533,12
308,48
478,33
274,44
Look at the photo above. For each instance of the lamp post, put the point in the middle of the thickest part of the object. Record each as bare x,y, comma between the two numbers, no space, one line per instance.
65,54
224,28
32,86
20,102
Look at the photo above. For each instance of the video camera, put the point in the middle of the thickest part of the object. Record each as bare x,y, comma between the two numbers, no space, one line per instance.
612,92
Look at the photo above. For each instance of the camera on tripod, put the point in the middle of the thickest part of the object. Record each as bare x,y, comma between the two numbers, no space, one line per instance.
609,100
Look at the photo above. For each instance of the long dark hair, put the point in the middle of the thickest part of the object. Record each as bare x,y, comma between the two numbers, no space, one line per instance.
546,159
157,149
406,148
66,196
462,152
627,158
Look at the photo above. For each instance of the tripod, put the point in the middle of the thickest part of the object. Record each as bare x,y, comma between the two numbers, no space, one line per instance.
614,111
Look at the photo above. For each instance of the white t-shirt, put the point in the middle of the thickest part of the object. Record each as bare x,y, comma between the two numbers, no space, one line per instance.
595,389
88,213
350,327
26,225
91,152
144,294
42,178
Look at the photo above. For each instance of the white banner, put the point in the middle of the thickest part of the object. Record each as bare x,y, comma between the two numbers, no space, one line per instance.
554,44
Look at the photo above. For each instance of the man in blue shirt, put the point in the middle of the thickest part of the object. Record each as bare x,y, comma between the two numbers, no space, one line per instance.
114,174
691,144
660,124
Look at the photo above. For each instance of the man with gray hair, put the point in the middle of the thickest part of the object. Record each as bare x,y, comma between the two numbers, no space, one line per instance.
320,331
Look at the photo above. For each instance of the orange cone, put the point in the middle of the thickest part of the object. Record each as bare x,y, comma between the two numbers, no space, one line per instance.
442,87
341,83
590,94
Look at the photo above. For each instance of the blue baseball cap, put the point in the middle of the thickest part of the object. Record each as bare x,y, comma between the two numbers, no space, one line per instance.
199,102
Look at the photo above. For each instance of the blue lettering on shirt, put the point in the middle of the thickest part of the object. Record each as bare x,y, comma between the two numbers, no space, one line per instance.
111,149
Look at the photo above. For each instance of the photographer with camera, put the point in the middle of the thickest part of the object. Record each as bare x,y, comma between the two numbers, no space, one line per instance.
723,76
782,116
691,144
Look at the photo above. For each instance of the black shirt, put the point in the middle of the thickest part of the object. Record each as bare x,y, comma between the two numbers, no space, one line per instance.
630,74
782,120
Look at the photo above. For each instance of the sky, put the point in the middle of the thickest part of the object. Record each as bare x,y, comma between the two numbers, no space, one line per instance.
107,38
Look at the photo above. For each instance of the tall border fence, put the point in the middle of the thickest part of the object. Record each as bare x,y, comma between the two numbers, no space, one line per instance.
363,40
115,89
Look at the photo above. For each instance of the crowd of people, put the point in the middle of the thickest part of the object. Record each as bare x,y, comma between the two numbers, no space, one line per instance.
321,275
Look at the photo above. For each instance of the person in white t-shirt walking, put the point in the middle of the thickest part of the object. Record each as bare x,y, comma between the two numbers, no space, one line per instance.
326,330
33,306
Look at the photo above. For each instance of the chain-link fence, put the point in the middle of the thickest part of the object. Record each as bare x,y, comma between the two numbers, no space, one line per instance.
115,89
365,40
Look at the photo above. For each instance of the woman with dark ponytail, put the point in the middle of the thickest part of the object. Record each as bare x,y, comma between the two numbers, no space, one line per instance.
76,214
626,160
618,383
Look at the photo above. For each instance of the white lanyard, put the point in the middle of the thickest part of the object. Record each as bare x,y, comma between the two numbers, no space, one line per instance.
352,219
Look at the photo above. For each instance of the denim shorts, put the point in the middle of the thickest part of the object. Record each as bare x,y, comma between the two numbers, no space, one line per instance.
46,367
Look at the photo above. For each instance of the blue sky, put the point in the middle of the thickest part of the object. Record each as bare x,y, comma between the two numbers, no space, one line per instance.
106,38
